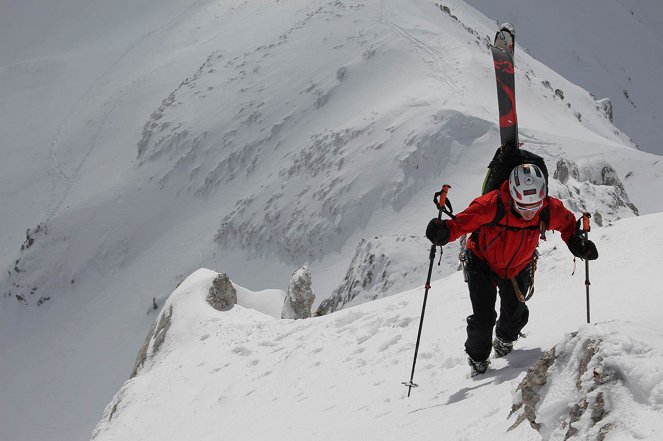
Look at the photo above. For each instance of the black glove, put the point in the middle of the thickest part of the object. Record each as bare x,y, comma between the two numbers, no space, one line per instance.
438,232
581,247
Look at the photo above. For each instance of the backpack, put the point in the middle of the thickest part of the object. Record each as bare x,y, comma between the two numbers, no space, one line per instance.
499,169
505,160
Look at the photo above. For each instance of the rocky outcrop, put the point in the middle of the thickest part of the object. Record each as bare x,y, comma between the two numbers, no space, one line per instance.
368,271
592,186
530,388
155,339
595,382
21,281
222,294
386,265
300,297
605,107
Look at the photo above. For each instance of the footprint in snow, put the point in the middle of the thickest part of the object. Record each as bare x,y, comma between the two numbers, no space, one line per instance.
392,341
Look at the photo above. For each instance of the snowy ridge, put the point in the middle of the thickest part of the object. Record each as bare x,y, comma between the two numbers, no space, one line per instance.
338,376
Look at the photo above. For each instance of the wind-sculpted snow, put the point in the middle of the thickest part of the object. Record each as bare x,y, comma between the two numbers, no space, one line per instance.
333,179
303,183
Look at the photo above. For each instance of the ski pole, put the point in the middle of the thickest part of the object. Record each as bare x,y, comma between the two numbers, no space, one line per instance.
440,200
586,228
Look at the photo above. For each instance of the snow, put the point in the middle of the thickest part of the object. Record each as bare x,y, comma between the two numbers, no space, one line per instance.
339,376
142,142
267,301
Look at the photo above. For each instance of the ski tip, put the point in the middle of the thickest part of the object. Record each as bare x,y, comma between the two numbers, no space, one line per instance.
506,26
505,39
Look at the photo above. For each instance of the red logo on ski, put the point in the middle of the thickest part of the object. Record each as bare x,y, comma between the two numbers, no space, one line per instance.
504,66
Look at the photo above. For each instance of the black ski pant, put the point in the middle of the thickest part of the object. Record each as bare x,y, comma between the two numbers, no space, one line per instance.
484,285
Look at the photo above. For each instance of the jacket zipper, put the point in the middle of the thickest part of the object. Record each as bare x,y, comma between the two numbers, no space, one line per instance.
499,235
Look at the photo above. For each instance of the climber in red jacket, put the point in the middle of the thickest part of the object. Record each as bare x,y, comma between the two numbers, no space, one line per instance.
505,227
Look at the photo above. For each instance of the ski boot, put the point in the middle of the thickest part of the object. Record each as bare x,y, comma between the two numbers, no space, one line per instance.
477,367
501,347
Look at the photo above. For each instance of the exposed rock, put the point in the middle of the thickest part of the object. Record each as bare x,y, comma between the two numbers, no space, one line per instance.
300,297
604,431
593,186
598,218
32,233
222,294
154,340
594,381
599,408
161,330
20,277
589,350
628,98
385,265
530,387
366,270
566,169
576,413
605,106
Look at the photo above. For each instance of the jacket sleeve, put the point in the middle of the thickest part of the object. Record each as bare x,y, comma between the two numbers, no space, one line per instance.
481,211
561,219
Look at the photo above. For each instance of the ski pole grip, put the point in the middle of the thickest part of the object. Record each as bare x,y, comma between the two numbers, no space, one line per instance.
440,198
585,222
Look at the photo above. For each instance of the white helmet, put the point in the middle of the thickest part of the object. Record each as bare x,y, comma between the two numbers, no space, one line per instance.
527,184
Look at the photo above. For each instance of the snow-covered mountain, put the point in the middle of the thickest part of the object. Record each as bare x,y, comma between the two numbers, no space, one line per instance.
252,138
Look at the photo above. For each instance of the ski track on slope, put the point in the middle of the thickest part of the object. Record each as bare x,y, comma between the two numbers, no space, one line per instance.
62,178
433,57
435,60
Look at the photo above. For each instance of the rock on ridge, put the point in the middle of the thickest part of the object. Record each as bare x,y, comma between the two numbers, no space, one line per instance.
154,339
222,294
300,297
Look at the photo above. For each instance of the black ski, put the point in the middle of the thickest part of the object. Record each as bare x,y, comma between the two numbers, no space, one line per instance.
506,89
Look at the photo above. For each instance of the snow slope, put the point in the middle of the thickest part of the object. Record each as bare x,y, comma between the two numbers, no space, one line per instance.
612,48
243,375
144,141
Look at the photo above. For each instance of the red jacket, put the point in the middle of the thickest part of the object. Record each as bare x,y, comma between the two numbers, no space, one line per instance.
507,251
